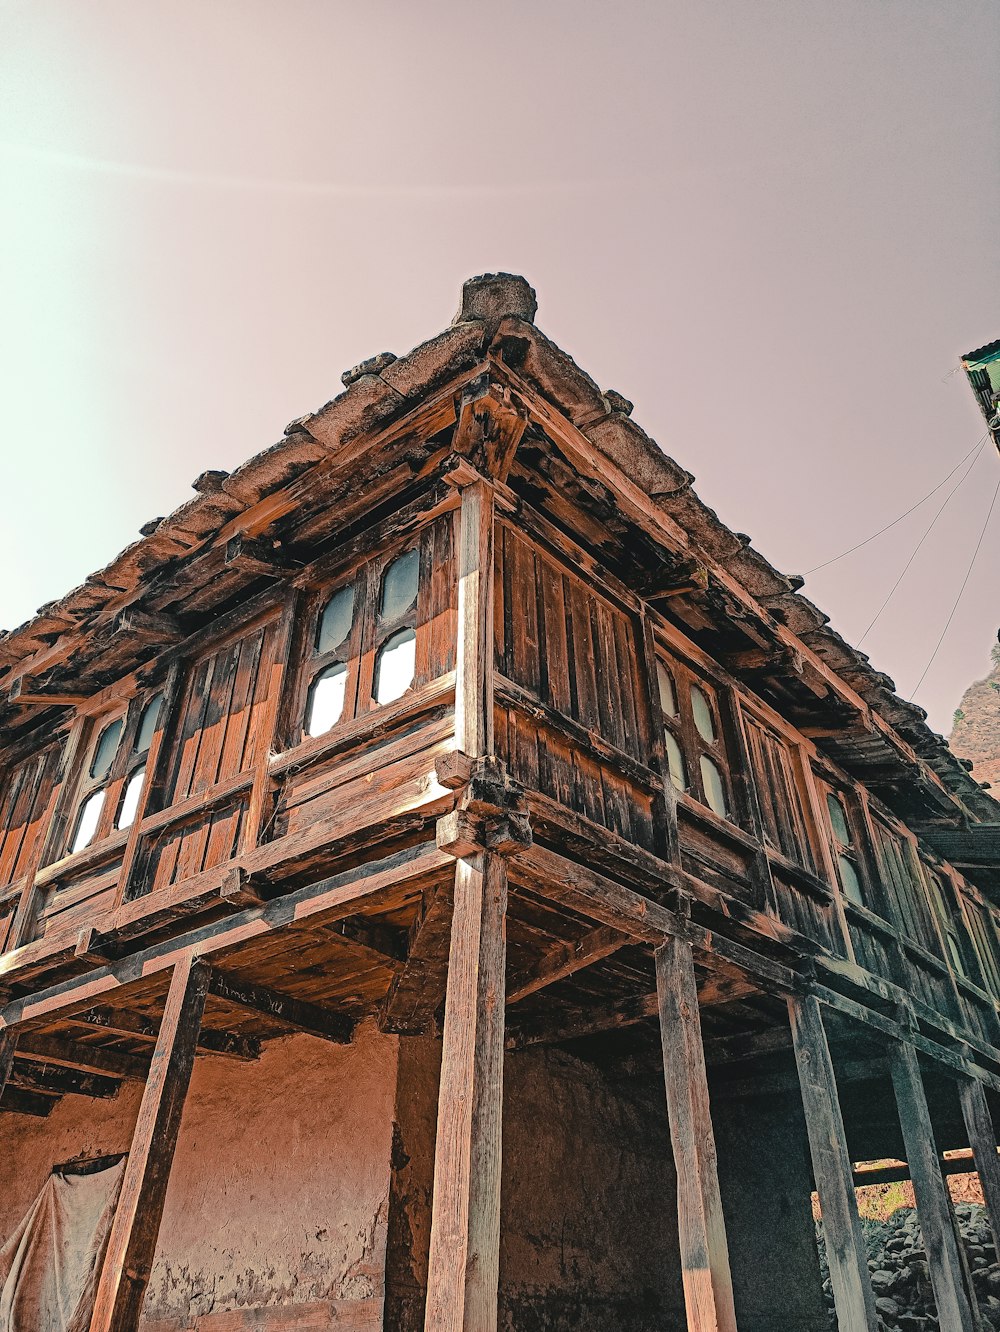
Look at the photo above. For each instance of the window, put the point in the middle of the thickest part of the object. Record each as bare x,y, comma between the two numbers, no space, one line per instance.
949,919
984,943
696,758
777,776
346,633
113,780
903,879
844,849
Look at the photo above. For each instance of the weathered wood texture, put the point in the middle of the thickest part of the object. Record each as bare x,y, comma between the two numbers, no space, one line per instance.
832,1170
474,687
465,1228
573,727
704,1249
934,1209
983,1141
132,1242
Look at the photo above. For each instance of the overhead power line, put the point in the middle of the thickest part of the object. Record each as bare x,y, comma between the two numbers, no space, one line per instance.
944,480
916,549
961,590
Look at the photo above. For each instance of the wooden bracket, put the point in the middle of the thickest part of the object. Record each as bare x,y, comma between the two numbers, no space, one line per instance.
685,576
490,425
238,889
253,555
25,693
135,623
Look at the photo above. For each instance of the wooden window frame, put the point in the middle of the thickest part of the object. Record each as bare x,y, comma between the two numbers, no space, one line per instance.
368,635
692,743
853,852
126,762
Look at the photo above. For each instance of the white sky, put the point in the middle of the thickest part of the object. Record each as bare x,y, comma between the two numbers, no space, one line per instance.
773,226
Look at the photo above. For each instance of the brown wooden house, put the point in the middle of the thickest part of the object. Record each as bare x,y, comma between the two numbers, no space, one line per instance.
456,693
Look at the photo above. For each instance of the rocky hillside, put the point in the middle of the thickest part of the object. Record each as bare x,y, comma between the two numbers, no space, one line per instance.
976,732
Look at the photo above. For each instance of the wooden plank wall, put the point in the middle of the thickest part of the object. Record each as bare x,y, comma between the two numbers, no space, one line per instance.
572,651
25,806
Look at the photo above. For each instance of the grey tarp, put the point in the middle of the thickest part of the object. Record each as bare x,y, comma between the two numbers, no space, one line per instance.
50,1266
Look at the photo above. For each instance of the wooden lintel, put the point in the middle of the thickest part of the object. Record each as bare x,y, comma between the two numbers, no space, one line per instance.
132,1242
418,989
564,960
285,1008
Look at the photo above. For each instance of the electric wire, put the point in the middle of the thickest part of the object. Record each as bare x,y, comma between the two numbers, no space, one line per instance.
961,590
916,549
944,480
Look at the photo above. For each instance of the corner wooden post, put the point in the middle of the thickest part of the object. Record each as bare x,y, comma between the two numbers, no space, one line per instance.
708,1284
983,1141
832,1170
464,1266
474,660
132,1241
933,1201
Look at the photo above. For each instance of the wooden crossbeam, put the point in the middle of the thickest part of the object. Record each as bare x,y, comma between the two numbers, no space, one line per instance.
52,1049
132,1242
573,1024
297,1013
27,1102
53,1079
128,1023
418,989
563,960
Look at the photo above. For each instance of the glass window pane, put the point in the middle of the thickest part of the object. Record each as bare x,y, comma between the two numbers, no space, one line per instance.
395,666
130,802
849,880
675,761
86,824
399,585
668,696
715,791
327,694
838,819
703,719
336,620
144,735
106,748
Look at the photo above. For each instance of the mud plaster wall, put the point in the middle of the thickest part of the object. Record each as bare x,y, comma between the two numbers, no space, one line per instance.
766,1184
279,1187
589,1211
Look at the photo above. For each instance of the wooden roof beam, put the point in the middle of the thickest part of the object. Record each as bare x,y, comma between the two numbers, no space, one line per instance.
299,1014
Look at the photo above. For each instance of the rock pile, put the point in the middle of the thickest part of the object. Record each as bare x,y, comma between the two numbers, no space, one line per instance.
900,1277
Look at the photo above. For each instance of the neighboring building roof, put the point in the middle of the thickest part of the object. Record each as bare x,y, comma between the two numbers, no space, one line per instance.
108,625
982,367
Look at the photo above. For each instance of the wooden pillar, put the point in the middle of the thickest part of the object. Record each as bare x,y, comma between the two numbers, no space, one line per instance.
704,1249
474,659
464,1266
983,1141
8,1041
832,1169
132,1241
933,1202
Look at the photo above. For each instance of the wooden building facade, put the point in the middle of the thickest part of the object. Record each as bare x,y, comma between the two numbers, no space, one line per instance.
443,785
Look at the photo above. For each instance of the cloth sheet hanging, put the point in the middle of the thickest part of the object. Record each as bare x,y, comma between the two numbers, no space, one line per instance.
50,1266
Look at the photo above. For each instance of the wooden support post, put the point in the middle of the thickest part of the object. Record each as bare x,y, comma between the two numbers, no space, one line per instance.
8,1040
983,1141
931,1193
132,1241
704,1249
464,1265
474,662
832,1168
